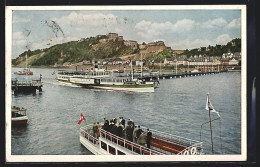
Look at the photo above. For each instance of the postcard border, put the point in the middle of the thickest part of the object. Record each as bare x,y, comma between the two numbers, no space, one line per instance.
78,158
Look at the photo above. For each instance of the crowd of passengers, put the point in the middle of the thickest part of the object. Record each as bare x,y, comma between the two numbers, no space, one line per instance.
128,131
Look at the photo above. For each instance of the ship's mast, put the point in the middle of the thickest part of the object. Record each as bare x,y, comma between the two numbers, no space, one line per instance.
141,65
176,66
132,69
210,127
26,61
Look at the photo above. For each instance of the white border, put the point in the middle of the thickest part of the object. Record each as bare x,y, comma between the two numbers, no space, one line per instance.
124,158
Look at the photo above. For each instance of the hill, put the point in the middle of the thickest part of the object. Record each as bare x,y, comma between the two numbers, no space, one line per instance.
218,50
75,51
112,46
88,49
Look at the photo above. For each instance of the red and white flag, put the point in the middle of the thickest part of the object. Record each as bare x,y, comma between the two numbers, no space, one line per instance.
82,118
130,60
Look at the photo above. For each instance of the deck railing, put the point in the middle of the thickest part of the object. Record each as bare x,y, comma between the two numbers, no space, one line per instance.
182,141
190,147
188,144
26,83
86,133
131,146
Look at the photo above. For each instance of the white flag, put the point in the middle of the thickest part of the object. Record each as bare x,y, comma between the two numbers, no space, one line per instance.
210,107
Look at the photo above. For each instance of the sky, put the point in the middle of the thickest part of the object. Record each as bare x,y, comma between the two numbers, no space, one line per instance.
179,29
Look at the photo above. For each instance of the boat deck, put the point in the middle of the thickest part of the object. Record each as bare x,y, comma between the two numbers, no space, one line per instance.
161,144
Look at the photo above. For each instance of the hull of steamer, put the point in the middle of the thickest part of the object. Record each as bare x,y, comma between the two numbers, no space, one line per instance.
122,89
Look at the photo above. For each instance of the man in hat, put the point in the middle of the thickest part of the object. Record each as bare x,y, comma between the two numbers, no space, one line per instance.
149,137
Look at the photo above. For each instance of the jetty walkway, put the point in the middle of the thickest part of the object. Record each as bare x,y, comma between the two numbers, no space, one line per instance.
152,76
26,86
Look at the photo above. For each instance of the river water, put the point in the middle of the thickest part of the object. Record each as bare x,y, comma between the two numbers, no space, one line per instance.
177,107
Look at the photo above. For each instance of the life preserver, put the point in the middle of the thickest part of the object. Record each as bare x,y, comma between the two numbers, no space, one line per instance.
186,152
193,150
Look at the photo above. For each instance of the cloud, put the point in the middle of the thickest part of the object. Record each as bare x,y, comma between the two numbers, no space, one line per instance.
235,23
87,19
18,38
183,25
20,20
143,25
223,39
179,26
214,23
147,30
186,44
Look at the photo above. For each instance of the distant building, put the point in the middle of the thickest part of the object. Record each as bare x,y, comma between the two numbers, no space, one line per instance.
156,43
120,38
132,44
168,61
139,63
103,40
112,36
233,62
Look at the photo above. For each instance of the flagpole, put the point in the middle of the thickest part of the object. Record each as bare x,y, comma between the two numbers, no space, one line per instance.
132,70
210,126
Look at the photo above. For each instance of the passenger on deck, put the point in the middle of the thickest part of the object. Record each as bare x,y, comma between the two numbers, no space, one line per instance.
123,122
114,129
95,130
98,129
138,132
106,126
134,134
132,131
142,139
115,121
149,137
120,130
110,125
129,122
128,133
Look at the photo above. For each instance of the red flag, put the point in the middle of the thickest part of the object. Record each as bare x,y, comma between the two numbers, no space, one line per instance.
82,118
130,60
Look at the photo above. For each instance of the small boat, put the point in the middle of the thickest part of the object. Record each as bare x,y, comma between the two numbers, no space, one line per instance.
19,115
161,143
26,71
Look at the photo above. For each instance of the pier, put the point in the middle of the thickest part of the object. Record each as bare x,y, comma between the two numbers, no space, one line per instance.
152,77
26,86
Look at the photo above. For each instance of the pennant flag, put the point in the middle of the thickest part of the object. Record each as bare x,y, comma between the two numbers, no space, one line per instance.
82,118
210,107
